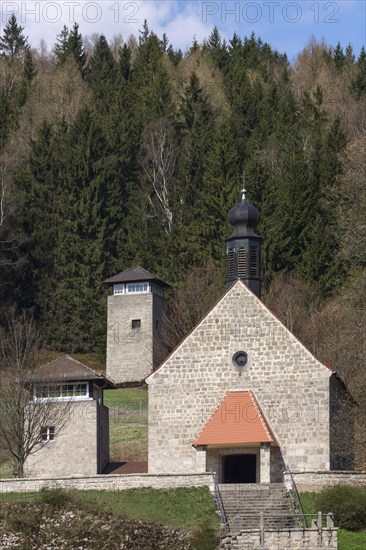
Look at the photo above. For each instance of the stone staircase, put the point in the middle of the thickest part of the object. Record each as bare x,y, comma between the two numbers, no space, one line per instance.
243,504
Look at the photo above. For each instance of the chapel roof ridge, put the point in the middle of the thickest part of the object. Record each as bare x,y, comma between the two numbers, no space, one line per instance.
227,290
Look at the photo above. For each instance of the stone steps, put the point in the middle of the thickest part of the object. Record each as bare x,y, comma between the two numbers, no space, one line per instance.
243,504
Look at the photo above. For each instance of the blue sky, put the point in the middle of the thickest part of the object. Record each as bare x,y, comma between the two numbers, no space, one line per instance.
287,25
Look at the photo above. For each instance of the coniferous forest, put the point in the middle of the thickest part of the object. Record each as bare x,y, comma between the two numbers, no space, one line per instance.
131,153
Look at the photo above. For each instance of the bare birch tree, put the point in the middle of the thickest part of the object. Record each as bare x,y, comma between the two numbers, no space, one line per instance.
21,418
158,163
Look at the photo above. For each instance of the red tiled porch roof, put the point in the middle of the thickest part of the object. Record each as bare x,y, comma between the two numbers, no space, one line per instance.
237,420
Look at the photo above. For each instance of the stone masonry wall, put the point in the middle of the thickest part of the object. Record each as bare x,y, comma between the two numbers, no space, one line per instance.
105,482
316,481
129,351
311,539
74,449
291,386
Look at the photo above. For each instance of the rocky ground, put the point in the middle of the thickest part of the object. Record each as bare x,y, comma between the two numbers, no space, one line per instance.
40,526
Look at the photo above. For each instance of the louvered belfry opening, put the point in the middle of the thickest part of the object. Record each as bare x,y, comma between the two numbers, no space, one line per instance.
242,262
231,259
243,247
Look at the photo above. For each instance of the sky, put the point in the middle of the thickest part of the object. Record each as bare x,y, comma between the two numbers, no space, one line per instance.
286,25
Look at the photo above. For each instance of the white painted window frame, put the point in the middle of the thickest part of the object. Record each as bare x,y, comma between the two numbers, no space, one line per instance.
130,288
61,398
50,434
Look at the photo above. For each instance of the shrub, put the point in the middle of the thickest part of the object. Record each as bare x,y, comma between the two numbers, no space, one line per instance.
54,497
348,504
27,522
205,537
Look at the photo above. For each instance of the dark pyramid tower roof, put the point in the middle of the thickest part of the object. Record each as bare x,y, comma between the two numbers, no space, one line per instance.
136,274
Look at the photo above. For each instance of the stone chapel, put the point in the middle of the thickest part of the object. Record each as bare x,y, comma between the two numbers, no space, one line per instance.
240,395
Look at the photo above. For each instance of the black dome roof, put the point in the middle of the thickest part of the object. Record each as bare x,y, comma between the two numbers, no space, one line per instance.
244,217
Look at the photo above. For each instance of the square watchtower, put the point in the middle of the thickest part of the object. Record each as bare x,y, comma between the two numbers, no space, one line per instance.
135,316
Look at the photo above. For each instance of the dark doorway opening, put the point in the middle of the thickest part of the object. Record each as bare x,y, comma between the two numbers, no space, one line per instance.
239,468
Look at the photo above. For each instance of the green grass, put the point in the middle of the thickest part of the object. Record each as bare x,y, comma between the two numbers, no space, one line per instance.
351,541
347,540
184,508
18,497
127,430
113,398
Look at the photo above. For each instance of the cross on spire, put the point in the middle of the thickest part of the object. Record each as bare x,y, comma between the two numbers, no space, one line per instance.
243,191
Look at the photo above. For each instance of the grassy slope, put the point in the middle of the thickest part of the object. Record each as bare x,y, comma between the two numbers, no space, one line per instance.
127,431
346,539
183,508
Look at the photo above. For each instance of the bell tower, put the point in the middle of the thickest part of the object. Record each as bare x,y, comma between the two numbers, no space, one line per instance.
243,247
134,325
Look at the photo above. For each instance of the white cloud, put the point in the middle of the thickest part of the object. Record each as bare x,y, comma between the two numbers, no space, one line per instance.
274,21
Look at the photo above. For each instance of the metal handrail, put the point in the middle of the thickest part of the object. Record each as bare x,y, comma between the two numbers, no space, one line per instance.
262,515
219,502
294,494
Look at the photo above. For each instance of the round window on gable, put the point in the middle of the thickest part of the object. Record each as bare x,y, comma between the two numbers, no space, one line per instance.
240,359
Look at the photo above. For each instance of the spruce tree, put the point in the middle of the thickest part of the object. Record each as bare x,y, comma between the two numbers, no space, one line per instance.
151,86
28,75
102,74
220,190
125,61
76,308
216,48
338,57
70,43
13,43
359,82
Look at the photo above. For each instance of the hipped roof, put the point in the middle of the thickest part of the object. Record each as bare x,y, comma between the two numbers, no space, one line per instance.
136,274
66,368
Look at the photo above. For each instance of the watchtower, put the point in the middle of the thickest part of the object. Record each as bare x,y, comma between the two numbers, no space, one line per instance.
135,316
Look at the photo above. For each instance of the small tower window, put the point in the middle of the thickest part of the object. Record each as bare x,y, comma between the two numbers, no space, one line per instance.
47,433
136,324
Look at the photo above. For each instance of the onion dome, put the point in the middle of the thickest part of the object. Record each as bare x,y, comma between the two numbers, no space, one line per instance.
244,217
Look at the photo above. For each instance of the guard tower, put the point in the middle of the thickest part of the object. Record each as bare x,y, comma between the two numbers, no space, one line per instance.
135,316
243,247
